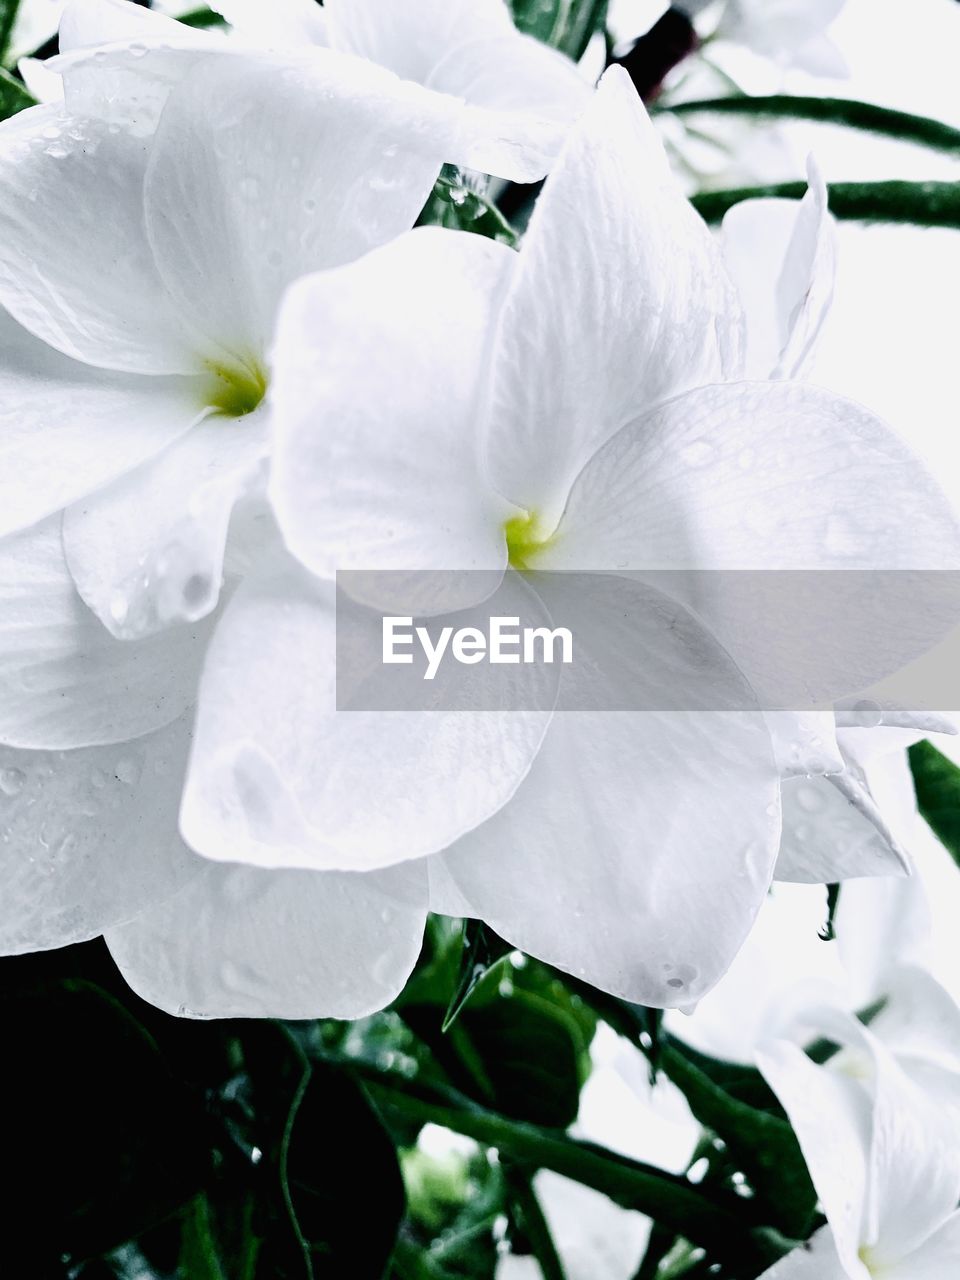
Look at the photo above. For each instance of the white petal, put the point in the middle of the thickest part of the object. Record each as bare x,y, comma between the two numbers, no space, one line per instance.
520,94
64,680
881,924
377,463
938,1258
913,1164
243,943
288,22
833,831
88,838
67,429
42,84
302,165
92,22
412,37
816,1260
782,256
700,485
75,264
148,550
280,777
522,98
920,1020
831,1115
641,845
914,1161
512,72
805,742
620,299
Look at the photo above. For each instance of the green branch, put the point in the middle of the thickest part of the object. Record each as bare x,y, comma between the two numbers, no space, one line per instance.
923,204
665,1197
900,125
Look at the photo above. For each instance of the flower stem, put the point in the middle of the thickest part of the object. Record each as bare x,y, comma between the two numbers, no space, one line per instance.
533,1222
667,1198
923,204
900,125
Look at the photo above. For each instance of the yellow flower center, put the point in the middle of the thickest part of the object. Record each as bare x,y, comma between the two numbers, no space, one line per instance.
525,538
235,390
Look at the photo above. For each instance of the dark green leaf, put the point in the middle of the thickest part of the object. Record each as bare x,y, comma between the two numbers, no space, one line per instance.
337,1195
461,207
763,1146
13,96
202,18
8,16
482,949
104,1143
937,782
567,25
530,1052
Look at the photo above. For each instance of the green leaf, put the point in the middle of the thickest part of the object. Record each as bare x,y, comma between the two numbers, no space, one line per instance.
901,125
522,1041
482,950
763,1146
567,25
203,17
937,782
199,1258
8,16
530,1053
335,1195
923,204
94,1125
13,96
460,207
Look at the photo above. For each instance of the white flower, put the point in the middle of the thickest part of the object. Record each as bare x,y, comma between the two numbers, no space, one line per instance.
790,32
633,849
509,98
885,1166
144,270
145,273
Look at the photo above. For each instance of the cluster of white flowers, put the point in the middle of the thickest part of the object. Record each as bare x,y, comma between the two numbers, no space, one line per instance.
230,369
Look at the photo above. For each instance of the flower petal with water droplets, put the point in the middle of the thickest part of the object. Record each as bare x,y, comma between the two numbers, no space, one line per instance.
619,300
89,838
67,429
76,267
280,777
148,550
244,943
64,680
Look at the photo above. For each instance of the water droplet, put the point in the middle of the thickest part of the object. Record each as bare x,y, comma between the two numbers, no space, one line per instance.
867,714
11,781
196,590
127,770
249,188
698,453
119,607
